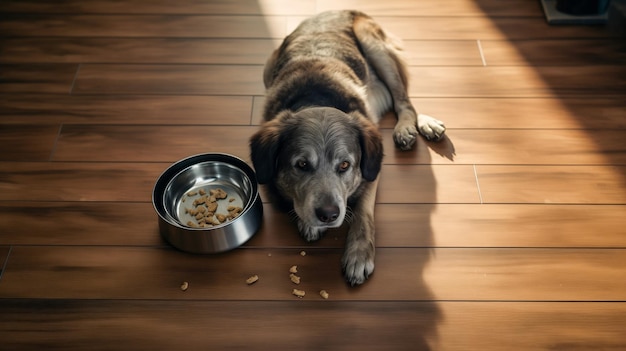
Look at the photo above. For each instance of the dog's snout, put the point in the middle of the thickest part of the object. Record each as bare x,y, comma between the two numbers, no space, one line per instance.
328,213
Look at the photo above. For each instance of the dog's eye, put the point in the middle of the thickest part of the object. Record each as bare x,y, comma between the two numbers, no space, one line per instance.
303,165
344,166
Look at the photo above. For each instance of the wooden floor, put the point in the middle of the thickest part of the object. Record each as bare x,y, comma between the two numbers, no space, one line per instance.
508,235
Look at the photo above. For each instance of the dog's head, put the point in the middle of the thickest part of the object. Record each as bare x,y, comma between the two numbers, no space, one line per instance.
317,158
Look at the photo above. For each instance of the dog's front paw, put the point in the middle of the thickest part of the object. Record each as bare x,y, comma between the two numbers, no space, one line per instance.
358,264
405,136
310,233
431,128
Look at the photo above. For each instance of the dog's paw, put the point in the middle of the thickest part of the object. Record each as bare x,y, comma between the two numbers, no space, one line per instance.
310,233
358,265
431,128
405,136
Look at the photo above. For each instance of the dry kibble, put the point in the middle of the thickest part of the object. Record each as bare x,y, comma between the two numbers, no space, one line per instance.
298,293
204,215
293,269
218,193
184,286
253,279
294,278
324,294
212,206
220,217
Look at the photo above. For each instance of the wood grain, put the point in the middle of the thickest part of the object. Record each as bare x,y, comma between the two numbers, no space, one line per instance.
149,325
507,235
40,78
125,109
552,52
397,225
132,181
551,184
162,26
516,81
443,274
138,50
474,28
532,113
26,142
233,7
176,79
518,146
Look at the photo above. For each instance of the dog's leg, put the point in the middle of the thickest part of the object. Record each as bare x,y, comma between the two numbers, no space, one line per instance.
383,56
358,258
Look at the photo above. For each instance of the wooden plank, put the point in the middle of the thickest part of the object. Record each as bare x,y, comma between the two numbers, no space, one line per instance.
226,26
412,27
460,225
397,225
573,52
532,113
517,81
171,143
515,146
138,50
279,7
441,53
490,113
125,109
149,26
407,274
148,325
552,184
169,79
132,181
40,78
150,143
447,8
204,51
232,7
28,142
78,181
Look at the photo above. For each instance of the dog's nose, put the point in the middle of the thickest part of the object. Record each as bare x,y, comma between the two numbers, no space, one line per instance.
327,214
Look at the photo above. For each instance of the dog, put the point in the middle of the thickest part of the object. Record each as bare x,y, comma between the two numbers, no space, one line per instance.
319,150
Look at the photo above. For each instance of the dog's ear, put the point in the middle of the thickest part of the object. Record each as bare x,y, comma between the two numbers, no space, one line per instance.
371,149
264,146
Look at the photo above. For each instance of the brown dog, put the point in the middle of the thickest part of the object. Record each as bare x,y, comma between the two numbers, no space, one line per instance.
319,150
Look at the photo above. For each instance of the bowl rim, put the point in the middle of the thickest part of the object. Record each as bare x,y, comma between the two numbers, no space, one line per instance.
177,167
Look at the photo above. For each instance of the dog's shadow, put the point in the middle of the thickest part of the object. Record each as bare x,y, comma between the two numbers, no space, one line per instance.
443,147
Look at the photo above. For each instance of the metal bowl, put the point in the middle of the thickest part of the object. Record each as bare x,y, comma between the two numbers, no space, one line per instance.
182,184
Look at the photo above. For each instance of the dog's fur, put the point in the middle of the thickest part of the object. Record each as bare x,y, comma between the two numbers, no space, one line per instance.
319,150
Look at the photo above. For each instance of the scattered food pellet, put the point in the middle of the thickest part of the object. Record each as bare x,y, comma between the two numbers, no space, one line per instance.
294,278
298,293
324,294
192,193
202,192
253,279
293,269
231,199
302,253
184,286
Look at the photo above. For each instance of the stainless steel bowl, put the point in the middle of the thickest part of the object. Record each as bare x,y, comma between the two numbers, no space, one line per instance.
172,195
